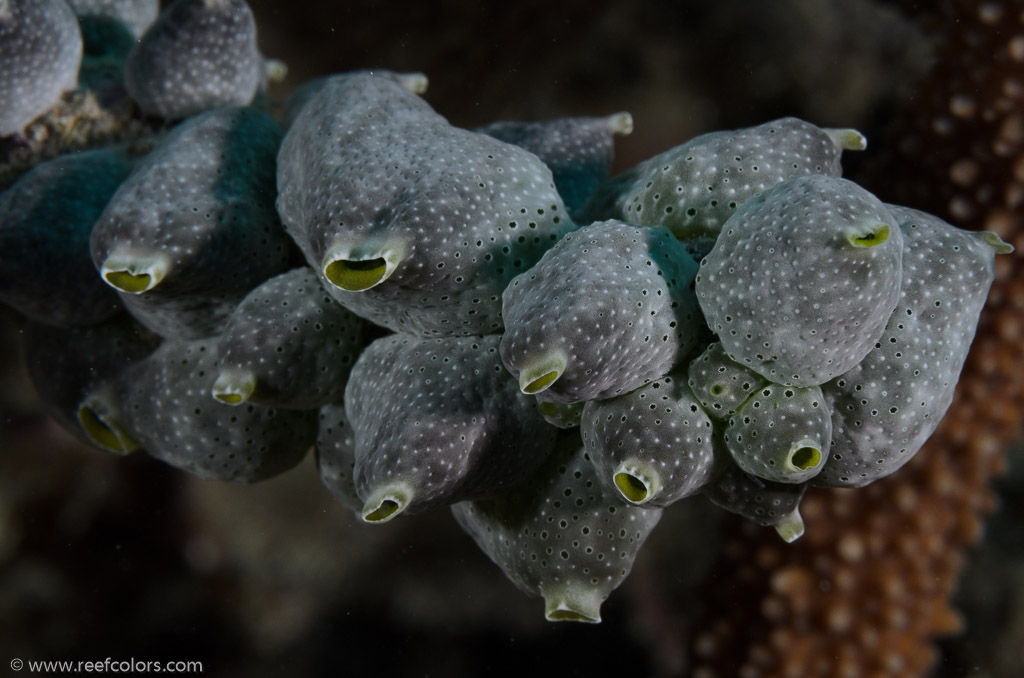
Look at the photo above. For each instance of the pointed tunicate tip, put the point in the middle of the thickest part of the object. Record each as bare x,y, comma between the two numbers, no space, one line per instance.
133,275
275,70
540,374
234,387
385,504
356,276
621,123
995,242
104,432
871,236
416,83
791,527
572,602
805,457
848,139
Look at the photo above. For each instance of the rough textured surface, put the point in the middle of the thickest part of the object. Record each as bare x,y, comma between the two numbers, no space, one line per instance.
693,188
287,344
435,219
781,434
606,310
194,228
198,55
46,271
579,151
720,383
654,444
887,406
167,403
437,421
561,535
40,52
802,279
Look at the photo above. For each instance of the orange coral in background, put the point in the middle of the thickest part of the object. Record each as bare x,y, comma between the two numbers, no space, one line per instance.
867,590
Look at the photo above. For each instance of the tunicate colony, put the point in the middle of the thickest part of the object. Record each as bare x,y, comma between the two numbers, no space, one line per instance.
482,319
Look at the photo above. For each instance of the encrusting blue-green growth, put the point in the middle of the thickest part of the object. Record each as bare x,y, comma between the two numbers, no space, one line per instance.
693,188
606,310
719,383
287,344
77,374
46,271
802,279
40,54
198,55
167,404
438,420
336,457
762,501
134,15
654,445
579,151
193,228
415,224
561,534
781,433
890,403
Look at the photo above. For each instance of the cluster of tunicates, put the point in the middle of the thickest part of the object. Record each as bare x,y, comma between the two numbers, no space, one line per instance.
478,319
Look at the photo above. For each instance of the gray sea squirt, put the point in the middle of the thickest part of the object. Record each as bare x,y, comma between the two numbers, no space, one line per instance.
542,350
438,420
40,54
414,224
198,55
193,228
607,310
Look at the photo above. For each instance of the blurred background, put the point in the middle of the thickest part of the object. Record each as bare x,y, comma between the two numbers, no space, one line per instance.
125,557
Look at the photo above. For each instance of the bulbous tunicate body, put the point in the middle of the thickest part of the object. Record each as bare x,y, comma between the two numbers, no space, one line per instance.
693,188
562,534
654,444
40,54
438,420
802,279
198,55
193,229
606,310
887,406
414,224
167,404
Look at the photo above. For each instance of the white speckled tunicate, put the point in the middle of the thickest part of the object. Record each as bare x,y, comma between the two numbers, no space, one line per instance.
653,445
887,406
802,279
781,433
762,501
720,383
579,151
607,310
438,420
414,224
198,55
562,534
193,229
288,344
40,54
693,188
166,400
